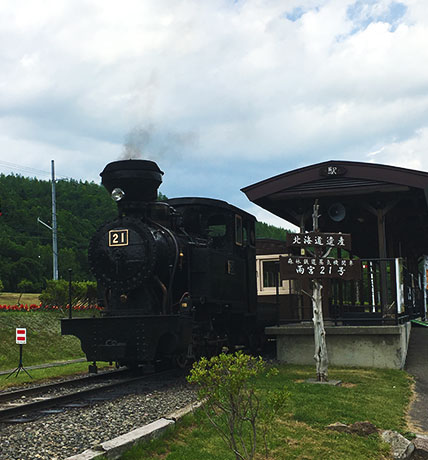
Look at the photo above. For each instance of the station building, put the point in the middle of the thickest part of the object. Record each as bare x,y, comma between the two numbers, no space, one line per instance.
385,210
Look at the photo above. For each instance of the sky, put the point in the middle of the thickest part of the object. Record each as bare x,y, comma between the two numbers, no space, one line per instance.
220,93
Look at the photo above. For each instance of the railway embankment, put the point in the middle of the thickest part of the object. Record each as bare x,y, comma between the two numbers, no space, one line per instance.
44,341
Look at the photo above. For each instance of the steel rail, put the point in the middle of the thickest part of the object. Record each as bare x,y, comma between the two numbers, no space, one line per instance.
24,409
9,395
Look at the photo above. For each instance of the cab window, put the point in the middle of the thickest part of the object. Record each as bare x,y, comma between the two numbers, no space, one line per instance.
217,230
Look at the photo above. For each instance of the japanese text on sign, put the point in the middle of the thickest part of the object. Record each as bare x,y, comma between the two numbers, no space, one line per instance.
315,267
332,240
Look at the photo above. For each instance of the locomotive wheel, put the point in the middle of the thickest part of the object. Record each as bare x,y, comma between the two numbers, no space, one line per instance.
182,361
255,342
132,366
161,365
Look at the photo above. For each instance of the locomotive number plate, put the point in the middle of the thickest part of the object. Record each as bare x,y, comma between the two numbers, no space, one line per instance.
118,237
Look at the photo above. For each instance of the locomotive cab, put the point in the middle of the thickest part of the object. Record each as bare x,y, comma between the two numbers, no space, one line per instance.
222,269
222,272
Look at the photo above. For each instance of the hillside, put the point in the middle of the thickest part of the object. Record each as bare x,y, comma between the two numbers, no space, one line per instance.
264,230
26,245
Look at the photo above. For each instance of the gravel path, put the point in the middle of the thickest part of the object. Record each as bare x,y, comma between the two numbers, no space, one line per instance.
59,436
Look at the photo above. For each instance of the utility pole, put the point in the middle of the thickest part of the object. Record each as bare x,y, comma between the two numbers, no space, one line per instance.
54,228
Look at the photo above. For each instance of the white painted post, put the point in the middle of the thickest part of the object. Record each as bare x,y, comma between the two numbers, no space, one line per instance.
320,356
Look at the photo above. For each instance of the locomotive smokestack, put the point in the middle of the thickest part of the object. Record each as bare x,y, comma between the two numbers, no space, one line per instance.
132,182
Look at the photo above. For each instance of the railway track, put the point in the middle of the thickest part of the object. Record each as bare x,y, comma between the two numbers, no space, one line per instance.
29,404
66,432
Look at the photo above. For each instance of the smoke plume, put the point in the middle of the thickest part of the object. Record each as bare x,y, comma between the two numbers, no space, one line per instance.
148,142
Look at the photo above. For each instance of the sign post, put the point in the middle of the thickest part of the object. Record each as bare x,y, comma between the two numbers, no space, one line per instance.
317,267
21,339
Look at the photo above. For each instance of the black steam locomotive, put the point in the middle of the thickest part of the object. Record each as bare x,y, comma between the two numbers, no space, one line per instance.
177,279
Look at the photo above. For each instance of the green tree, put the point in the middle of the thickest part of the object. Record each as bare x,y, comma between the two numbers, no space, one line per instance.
26,246
264,230
27,286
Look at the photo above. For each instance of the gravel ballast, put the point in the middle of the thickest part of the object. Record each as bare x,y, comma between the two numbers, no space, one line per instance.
59,436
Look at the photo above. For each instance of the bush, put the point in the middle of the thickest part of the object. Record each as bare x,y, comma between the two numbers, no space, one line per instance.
230,400
28,286
57,293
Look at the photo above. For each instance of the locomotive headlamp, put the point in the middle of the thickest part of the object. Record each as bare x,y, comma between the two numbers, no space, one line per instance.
117,194
186,303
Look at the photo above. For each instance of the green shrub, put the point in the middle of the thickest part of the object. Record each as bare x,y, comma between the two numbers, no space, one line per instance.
57,293
231,403
28,286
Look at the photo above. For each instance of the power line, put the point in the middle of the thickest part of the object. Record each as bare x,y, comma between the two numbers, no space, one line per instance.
28,169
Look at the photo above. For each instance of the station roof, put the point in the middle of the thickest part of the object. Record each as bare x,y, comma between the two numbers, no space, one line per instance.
354,197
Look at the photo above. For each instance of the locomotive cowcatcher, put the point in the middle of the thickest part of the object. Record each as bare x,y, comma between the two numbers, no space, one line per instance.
177,279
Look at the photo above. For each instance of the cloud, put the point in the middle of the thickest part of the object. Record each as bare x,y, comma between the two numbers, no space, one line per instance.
406,153
365,12
222,93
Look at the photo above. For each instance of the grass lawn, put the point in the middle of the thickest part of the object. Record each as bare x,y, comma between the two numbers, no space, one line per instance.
12,298
44,340
379,396
45,344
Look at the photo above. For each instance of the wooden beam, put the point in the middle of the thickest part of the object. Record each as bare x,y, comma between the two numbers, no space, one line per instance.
337,192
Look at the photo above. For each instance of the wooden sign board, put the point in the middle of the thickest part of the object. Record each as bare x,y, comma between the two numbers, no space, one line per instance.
292,267
320,240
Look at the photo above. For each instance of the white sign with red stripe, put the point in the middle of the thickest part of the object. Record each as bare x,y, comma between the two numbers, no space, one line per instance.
21,335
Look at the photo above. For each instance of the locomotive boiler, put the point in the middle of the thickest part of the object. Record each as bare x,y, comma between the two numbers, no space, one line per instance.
177,279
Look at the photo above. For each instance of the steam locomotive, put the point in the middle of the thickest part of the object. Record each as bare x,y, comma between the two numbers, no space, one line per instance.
177,279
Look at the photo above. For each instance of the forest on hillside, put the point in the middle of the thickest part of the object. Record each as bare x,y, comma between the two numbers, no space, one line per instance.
26,245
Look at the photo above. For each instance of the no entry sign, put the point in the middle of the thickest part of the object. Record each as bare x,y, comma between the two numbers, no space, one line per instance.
21,335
